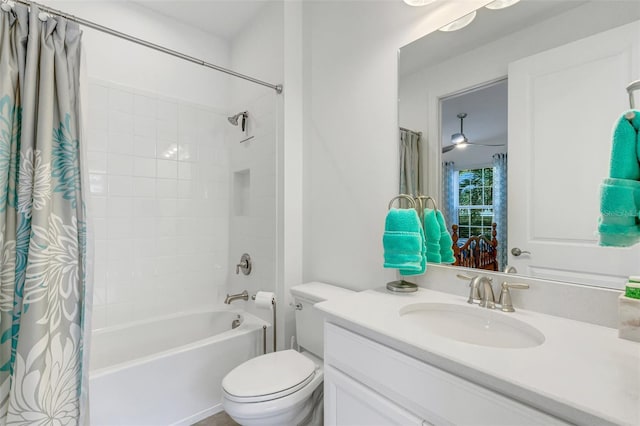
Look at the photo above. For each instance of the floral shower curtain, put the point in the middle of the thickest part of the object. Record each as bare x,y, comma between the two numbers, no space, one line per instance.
42,221
500,206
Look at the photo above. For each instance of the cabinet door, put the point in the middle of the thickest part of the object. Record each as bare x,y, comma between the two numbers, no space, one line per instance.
349,403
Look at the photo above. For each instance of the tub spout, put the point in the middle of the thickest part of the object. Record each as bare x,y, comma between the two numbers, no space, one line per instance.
231,297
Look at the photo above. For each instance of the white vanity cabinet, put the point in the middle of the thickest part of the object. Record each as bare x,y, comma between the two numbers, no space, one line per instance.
367,383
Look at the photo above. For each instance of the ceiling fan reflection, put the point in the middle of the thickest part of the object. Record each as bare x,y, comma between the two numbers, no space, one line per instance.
460,140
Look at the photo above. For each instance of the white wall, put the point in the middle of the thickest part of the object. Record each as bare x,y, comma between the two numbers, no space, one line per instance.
257,51
350,110
290,156
112,59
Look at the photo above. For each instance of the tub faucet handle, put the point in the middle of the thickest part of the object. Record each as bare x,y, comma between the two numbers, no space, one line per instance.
244,265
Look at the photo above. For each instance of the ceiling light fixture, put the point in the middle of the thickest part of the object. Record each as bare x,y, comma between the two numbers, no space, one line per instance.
501,4
460,140
459,23
417,3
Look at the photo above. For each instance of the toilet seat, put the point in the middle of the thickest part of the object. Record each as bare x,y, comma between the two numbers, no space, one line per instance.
269,377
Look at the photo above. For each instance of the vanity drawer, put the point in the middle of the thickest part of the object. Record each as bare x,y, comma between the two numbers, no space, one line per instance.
432,394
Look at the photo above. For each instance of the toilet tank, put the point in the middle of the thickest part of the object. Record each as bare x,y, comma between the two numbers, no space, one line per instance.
309,321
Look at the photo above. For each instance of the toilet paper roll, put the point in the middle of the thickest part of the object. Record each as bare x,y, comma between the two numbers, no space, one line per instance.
263,299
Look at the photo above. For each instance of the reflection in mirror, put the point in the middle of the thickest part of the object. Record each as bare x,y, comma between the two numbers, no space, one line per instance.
474,168
560,69
411,161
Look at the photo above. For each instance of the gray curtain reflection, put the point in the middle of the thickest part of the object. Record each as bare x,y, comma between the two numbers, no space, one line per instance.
411,173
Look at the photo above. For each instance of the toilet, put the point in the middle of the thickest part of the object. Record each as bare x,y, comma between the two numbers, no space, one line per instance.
284,387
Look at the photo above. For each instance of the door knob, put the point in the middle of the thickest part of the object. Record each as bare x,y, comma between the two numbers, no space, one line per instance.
517,252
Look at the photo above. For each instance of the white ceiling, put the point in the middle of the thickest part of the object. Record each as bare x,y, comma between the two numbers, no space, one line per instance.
222,18
489,25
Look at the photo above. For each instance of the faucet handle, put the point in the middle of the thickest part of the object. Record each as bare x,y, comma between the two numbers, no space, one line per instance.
465,277
505,295
474,288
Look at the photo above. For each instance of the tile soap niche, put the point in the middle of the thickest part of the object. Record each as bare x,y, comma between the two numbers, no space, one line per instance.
241,191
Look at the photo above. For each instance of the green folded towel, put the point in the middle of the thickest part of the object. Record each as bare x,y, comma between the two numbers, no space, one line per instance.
432,235
618,235
446,243
403,242
625,152
620,197
423,259
619,223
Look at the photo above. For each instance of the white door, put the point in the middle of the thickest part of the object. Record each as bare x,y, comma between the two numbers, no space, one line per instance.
562,107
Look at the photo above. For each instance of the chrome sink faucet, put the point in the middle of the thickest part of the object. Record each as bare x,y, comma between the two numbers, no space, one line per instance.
487,299
481,290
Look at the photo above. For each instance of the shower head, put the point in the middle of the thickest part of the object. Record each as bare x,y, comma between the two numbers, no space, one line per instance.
234,119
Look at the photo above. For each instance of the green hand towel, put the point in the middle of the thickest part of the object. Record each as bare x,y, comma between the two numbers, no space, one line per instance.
403,242
423,259
625,151
618,235
446,243
619,223
620,197
432,235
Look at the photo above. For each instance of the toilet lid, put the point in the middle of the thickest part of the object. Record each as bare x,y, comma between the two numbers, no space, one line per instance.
269,376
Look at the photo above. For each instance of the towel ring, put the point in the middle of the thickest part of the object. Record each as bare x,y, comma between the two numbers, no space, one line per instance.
426,198
403,196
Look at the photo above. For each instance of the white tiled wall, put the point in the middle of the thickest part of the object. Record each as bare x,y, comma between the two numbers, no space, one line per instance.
159,183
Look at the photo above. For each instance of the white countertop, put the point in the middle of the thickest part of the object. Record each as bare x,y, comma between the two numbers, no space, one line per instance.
582,373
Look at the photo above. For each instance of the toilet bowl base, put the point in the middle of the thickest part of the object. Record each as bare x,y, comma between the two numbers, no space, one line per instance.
292,409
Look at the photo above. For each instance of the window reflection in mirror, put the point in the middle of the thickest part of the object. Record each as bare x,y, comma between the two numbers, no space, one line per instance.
473,130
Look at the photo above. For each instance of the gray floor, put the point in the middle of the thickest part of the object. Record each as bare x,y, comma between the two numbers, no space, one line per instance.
220,419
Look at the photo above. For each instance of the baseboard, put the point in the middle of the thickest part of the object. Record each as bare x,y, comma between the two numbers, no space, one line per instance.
187,421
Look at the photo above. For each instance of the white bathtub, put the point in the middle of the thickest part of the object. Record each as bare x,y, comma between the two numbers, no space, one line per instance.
168,371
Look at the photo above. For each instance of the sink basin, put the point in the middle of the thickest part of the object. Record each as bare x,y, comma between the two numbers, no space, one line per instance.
472,324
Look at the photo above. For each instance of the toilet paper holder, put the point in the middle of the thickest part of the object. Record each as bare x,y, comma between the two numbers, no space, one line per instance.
264,327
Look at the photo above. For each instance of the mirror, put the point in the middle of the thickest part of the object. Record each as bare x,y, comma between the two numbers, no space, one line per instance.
542,83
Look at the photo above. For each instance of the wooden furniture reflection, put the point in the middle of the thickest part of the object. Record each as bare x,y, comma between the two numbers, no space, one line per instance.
477,252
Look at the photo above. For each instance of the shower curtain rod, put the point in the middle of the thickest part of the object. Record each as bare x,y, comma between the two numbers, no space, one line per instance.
111,31
411,131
